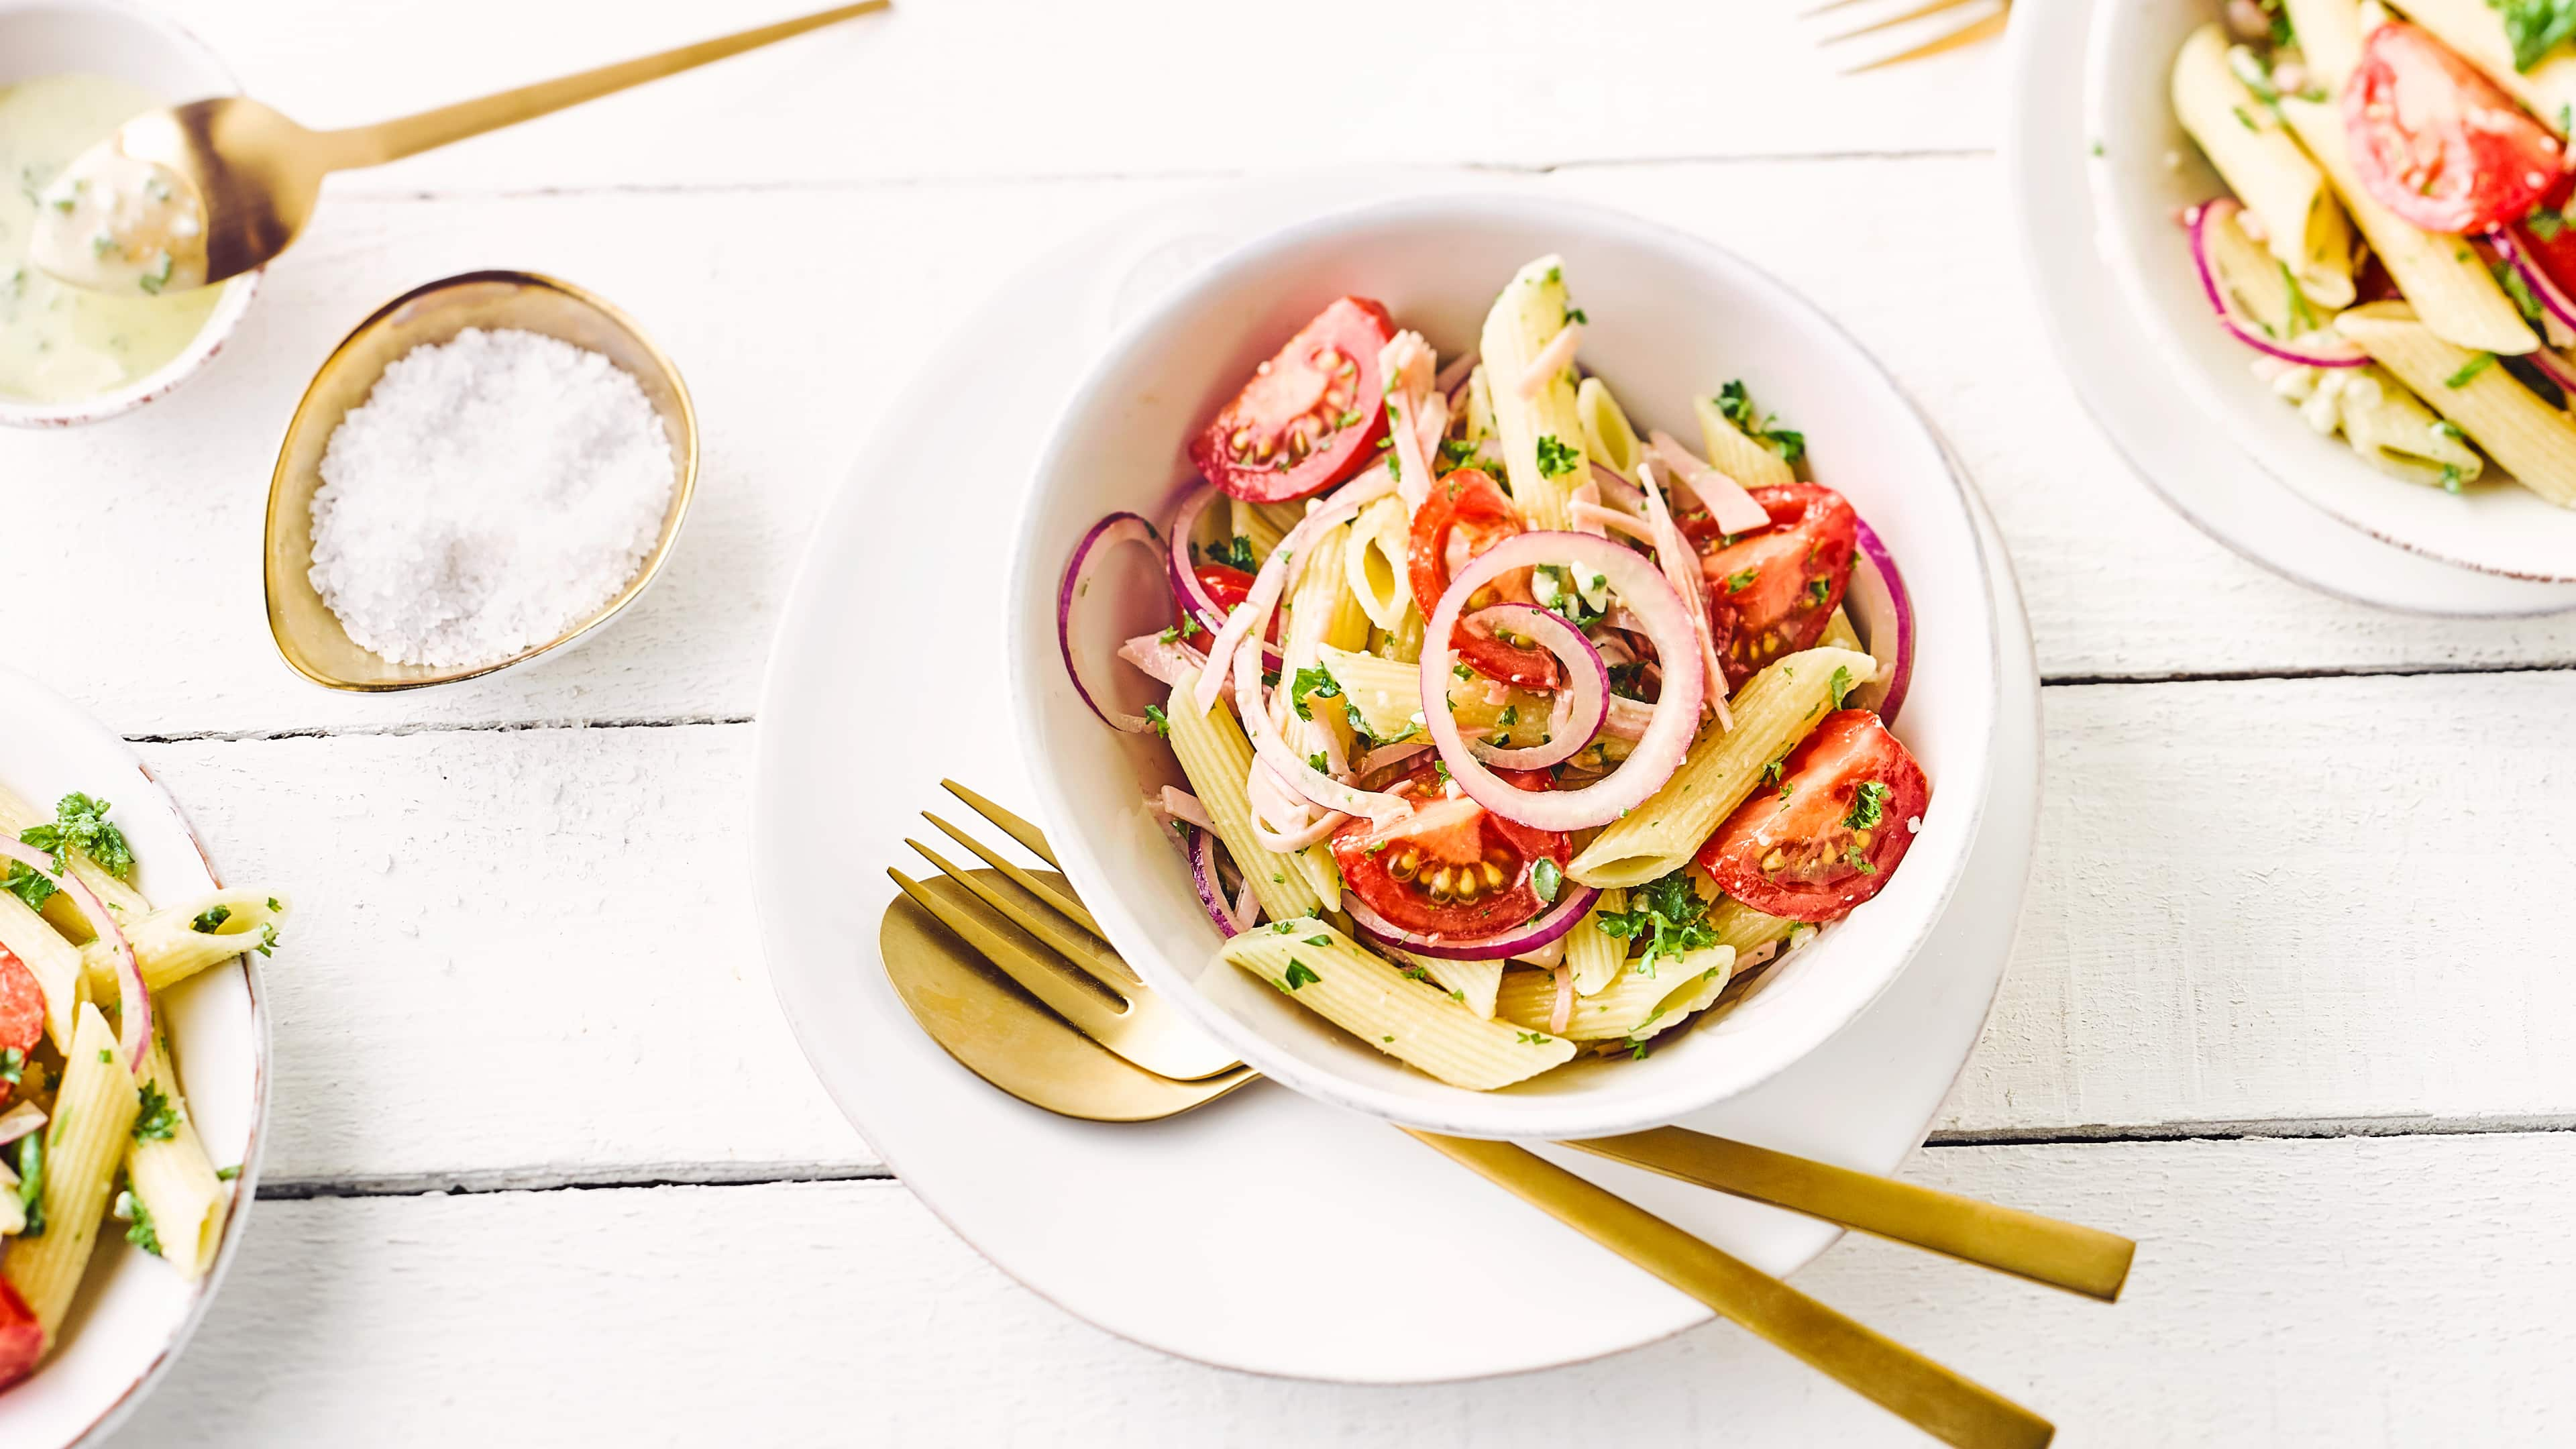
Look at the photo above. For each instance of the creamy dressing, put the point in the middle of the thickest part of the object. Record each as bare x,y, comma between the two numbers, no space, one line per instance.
59,343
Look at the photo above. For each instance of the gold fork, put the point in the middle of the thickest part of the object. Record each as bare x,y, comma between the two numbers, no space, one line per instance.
1041,1059
1969,31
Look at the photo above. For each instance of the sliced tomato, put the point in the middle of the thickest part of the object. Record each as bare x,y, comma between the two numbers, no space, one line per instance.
1831,832
1310,417
1466,514
22,1337
1225,586
1784,582
1452,867
22,1006
2437,142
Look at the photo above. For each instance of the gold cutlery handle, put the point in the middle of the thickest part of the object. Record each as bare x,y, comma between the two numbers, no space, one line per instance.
1950,1408
411,135
2062,1255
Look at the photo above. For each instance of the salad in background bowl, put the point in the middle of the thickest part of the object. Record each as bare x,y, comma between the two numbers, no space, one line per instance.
1623,622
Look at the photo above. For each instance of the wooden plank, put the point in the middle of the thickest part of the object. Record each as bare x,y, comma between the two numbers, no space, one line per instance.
946,90
2245,910
794,363
2288,1293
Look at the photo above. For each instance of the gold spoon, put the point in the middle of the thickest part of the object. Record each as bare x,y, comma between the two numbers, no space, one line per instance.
205,191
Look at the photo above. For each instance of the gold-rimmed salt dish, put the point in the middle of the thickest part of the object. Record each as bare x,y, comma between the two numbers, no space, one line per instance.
309,636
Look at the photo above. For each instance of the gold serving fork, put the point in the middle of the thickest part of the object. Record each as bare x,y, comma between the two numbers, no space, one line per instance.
1970,30
1003,914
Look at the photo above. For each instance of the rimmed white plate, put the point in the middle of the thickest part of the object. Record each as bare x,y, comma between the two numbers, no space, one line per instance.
2168,438
133,1314
1169,1233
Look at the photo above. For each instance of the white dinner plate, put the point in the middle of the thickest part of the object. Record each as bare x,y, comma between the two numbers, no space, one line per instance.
2119,370
886,676
133,1314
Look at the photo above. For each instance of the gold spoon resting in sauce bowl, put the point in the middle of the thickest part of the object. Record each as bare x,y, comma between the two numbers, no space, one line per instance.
206,191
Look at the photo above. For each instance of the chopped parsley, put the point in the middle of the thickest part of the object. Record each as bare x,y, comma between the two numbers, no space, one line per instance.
1546,880
1555,459
13,1066
140,1233
1840,685
227,1174
1737,405
2469,369
1853,857
2451,478
31,1182
1317,681
1154,716
80,823
1667,915
1869,806
154,280
1533,1038
1575,314
2534,26
1771,771
267,940
1819,590
2509,277
1455,453
1299,974
1738,581
1511,715
212,918
1319,763
1319,940
1236,554
2445,428
159,1120
2302,317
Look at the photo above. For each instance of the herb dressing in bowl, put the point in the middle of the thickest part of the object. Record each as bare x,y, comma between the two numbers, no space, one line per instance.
60,343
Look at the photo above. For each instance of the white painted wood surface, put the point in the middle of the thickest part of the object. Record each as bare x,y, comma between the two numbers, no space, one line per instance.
2300,923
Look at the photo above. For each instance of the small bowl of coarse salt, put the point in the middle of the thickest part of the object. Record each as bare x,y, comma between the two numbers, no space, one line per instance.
490,467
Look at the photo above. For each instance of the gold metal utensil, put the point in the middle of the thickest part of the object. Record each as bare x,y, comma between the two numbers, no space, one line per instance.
1970,29
255,174
308,635
2044,1250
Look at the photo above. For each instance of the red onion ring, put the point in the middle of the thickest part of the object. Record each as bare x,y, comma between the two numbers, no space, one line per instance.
1581,706
1211,888
1250,617
20,1120
1884,617
1642,589
1164,661
1618,492
133,998
1070,595
1454,377
2555,301
1186,592
2244,329
1303,778
2555,366
1548,925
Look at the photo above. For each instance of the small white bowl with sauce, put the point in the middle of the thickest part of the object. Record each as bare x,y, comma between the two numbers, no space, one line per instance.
68,358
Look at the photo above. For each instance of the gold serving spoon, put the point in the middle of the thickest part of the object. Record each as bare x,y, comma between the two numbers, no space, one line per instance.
205,191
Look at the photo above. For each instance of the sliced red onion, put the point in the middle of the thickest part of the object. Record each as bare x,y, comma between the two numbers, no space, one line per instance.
1181,805
1530,935
1211,887
1298,775
1680,563
1282,825
1453,377
133,998
1729,506
2555,366
2327,351
1385,755
2510,247
1165,661
1618,492
1628,718
1659,752
1250,618
1073,596
1885,618
20,1120
1194,600
1580,706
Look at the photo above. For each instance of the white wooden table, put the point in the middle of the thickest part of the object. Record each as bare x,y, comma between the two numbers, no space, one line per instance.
2291,1005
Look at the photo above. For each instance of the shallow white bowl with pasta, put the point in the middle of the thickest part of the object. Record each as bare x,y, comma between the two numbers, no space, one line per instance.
2145,171
133,1314
1672,317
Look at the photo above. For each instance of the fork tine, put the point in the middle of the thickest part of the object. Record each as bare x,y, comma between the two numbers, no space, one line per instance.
1009,824
1968,34
1075,1001
1046,890
1032,916
1912,12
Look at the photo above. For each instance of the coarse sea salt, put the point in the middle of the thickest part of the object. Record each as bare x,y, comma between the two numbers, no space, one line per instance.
491,491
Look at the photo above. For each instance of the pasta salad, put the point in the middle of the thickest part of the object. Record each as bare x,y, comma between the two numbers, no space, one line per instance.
1511,735
2395,250
95,1138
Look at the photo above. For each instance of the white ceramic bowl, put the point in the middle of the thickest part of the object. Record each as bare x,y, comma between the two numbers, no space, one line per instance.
2148,170
1671,317
134,1313
40,38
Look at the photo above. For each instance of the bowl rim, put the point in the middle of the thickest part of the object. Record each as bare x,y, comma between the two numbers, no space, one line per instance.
683,491
238,294
1491,1115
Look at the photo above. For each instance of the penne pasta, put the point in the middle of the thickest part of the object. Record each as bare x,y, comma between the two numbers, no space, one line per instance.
1773,711
1635,1006
2476,30
2329,34
1403,1016
1374,566
1542,435
1751,463
2450,288
1471,984
17,816
1255,527
1387,696
55,963
2533,440
83,1145
1839,633
2261,162
177,942
2388,426
176,1192
1595,956
1608,438
1217,758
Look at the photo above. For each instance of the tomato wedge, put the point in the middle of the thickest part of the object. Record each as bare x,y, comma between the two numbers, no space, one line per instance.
2437,142
1466,514
1827,838
1310,417
22,1006
1452,867
1225,586
22,1337
1784,582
